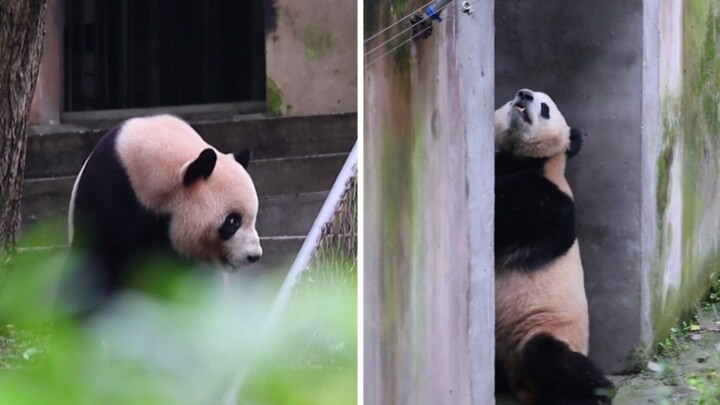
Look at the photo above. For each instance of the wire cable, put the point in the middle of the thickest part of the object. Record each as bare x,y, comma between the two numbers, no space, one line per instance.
395,48
416,12
396,22
425,18
407,40
390,40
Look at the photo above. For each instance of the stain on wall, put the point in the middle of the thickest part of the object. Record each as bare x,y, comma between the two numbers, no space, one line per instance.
417,261
311,56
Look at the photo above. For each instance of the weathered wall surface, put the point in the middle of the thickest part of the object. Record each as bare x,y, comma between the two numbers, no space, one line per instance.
45,107
428,175
311,56
641,78
686,160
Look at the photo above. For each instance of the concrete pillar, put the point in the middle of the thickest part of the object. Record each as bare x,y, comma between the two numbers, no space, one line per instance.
428,195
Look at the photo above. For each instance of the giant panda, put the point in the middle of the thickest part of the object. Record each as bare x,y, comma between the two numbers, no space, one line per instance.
152,185
541,307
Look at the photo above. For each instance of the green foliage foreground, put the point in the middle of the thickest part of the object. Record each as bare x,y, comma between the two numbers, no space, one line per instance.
184,346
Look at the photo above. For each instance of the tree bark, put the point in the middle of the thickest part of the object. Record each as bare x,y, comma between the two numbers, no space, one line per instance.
21,32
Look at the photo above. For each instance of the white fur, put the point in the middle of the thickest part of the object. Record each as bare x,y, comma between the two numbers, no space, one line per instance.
71,209
155,151
540,138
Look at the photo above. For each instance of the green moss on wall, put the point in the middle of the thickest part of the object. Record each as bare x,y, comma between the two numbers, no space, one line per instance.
274,97
383,14
665,160
318,41
695,121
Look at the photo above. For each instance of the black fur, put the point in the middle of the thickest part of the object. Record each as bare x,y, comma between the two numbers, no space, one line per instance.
575,143
545,111
203,167
244,157
562,376
534,220
230,226
112,230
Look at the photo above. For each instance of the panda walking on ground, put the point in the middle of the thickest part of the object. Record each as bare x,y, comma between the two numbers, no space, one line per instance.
153,185
541,307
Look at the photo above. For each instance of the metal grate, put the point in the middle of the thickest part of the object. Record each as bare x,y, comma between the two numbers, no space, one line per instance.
335,257
149,53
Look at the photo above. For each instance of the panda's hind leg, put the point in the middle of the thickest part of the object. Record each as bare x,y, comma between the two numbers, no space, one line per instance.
562,376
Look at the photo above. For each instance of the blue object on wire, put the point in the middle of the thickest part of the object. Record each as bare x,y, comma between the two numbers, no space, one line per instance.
431,14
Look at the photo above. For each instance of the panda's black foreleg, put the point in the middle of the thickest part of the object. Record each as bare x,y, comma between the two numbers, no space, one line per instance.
84,286
562,376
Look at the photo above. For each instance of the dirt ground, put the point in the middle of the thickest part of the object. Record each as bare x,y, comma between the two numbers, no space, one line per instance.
687,370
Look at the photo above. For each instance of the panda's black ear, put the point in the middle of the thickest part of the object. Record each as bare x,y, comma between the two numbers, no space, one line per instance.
244,157
203,167
575,142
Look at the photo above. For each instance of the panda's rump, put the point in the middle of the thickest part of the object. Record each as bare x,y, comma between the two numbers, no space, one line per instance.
551,300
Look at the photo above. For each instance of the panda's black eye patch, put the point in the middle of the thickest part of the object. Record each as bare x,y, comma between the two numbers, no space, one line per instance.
545,111
230,226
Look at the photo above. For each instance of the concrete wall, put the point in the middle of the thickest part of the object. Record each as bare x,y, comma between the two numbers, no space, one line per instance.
311,59
631,75
686,159
311,56
46,103
428,176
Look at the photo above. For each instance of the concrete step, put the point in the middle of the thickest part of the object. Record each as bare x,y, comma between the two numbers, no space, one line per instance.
59,151
295,163
289,215
49,197
278,215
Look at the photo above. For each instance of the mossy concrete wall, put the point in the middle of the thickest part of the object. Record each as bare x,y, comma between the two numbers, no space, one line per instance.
642,80
311,56
687,161
428,209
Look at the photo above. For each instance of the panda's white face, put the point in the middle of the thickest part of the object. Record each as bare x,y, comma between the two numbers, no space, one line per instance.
209,196
531,125
214,217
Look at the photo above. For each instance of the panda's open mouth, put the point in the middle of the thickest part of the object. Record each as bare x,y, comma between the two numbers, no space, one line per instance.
520,108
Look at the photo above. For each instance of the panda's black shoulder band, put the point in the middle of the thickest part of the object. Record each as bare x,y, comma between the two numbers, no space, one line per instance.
203,167
575,142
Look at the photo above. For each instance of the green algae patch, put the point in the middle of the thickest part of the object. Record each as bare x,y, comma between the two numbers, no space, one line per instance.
274,97
317,42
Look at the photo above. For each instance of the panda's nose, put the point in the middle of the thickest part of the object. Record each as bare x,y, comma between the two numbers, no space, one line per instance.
253,259
525,95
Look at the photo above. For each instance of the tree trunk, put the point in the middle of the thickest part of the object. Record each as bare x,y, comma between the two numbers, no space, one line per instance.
21,33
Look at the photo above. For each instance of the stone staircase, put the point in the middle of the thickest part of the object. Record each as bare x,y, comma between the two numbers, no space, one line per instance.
295,162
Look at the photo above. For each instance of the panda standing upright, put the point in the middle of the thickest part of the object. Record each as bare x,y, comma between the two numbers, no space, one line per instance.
541,307
153,185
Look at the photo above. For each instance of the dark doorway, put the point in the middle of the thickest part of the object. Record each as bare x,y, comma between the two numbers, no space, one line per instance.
149,53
